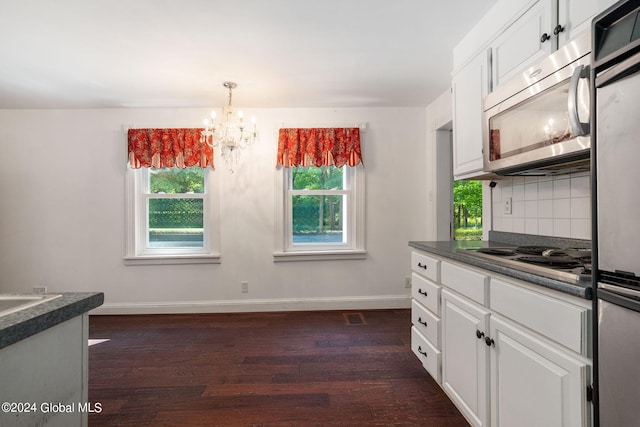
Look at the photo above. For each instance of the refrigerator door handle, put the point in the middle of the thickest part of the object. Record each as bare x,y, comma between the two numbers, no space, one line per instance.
621,299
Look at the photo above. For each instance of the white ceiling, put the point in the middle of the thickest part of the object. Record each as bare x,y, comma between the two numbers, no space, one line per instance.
177,53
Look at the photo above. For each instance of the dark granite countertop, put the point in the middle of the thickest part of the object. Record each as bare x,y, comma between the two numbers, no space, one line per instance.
449,249
30,321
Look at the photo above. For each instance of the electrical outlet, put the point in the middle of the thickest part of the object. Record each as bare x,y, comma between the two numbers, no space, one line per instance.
244,287
507,206
407,282
39,290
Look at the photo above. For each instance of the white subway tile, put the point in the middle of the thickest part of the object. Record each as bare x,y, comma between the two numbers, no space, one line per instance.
497,193
580,229
517,208
518,193
562,227
562,208
580,186
545,190
518,225
531,226
562,188
507,191
545,227
581,208
531,209
545,208
531,191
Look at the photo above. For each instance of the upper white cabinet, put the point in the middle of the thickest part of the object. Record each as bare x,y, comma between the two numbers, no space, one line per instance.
574,16
469,87
526,41
513,35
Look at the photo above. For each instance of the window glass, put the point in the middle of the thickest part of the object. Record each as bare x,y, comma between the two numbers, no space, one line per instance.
176,222
313,178
318,219
467,210
174,180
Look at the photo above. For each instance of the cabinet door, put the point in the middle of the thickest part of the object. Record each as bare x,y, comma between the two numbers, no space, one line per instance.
522,44
470,85
535,383
574,16
465,357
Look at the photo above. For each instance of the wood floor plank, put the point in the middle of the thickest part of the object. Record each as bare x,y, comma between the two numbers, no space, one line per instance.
338,368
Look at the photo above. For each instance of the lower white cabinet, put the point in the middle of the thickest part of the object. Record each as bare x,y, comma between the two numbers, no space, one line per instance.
465,357
426,352
520,356
533,382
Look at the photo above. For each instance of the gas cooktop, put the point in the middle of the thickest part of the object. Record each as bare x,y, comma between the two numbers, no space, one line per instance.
546,261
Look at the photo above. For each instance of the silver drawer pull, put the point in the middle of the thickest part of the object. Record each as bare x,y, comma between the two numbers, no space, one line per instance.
422,265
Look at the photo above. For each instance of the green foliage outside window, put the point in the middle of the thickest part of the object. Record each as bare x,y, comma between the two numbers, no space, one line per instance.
319,215
167,214
322,178
174,180
467,210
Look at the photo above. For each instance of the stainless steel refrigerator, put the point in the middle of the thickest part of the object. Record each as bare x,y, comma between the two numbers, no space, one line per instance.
616,200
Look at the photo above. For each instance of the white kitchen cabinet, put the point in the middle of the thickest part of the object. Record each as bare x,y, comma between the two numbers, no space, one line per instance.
574,16
511,352
523,42
469,86
546,26
425,312
534,382
506,47
465,358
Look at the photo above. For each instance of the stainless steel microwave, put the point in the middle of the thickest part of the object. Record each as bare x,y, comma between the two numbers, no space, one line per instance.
538,122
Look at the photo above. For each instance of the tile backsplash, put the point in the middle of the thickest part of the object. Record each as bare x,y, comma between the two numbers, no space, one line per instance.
557,206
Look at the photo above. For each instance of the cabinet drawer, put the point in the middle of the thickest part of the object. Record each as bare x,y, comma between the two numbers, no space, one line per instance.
425,292
426,322
469,283
424,265
428,354
559,320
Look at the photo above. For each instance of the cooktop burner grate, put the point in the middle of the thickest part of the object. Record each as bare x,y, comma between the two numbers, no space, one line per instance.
497,251
533,250
552,261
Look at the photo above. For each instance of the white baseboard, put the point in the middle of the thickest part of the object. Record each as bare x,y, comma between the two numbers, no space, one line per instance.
257,305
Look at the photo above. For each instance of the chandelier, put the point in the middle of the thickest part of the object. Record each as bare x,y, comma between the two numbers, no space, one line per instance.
230,133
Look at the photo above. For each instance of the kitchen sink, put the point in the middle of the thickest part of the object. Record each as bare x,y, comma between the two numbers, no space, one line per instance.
10,303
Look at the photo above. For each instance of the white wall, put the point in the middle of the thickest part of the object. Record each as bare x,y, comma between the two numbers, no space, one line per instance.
439,166
62,214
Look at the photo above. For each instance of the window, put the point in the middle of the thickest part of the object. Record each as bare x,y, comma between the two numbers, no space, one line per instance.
467,210
323,213
172,215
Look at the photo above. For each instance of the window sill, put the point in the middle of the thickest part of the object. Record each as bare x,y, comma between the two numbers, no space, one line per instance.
318,255
172,259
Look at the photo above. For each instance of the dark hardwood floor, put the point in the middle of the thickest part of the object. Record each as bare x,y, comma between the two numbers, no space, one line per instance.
328,368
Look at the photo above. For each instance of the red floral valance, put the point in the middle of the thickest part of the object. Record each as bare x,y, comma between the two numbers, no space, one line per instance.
159,148
319,147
